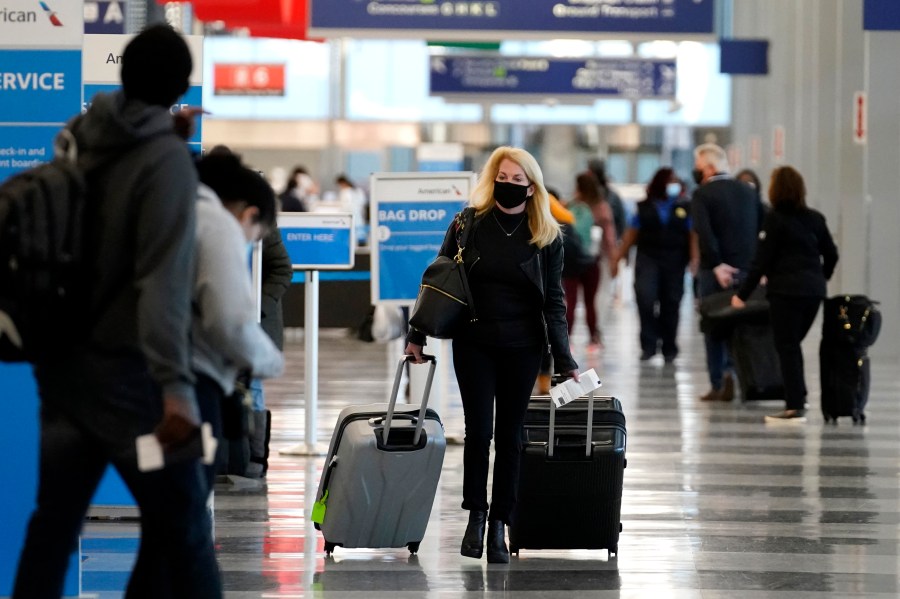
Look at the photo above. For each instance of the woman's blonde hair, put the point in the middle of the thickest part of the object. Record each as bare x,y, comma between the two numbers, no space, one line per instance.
544,228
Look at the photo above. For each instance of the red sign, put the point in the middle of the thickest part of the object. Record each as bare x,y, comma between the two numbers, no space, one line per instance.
778,144
860,118
248,79
755,150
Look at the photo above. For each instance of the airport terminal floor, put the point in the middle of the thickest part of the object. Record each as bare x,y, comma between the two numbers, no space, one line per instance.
717,504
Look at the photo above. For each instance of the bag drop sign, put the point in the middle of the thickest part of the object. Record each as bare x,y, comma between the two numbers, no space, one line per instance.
410,216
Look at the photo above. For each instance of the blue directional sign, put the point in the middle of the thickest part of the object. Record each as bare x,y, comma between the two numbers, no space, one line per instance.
410,216
505,75
512,19
881,15
318,241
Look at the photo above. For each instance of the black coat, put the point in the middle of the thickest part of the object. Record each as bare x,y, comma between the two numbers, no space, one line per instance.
544,269
727,217
276,278
795,252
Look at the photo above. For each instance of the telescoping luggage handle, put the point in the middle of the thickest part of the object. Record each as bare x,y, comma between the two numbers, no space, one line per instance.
420,422
588,436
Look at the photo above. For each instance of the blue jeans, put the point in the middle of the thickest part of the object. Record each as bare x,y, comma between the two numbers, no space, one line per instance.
718,360
256,392
89,419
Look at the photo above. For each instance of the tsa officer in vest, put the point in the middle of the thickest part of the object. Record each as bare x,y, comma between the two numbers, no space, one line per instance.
661,229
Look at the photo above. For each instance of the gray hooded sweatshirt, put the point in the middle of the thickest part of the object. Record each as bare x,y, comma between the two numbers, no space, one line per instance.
227,337
142,215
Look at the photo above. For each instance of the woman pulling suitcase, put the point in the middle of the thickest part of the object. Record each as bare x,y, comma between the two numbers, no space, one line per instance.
797,255
514,262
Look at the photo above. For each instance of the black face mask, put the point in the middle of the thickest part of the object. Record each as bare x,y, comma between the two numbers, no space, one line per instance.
510,195
698,176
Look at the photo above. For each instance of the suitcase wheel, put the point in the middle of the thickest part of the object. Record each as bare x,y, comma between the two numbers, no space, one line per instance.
859,419
513,550
329,548
613,552
413,547
829,418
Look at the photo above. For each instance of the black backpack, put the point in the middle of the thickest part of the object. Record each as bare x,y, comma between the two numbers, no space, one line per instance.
42,285
852,320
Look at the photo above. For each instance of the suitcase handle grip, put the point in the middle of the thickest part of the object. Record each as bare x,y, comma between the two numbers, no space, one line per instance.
396,389
589,433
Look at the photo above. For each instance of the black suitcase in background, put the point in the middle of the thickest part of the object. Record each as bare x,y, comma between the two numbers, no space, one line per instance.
845,379
570,484
756,362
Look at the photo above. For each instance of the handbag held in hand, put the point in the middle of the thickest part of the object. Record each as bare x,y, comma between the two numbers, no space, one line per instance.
445,303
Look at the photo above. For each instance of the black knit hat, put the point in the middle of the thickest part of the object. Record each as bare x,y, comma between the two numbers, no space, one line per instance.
156,66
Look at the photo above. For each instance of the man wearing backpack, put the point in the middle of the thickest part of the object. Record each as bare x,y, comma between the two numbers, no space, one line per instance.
130,375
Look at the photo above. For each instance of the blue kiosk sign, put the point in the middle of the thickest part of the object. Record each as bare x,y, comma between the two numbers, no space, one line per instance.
509,19
318,241
630,78
410,216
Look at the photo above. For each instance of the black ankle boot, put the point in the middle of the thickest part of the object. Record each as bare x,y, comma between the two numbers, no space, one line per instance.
473,540
496,543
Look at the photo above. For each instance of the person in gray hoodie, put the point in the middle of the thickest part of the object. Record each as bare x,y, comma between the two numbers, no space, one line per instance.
235,207
130,375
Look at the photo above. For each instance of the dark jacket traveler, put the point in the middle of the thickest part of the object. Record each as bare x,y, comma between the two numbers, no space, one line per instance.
131,376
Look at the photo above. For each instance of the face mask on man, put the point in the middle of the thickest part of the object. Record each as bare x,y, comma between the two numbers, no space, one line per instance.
698,176
673,190
510,195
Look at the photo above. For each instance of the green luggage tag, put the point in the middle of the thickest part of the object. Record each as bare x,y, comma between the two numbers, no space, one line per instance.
318,511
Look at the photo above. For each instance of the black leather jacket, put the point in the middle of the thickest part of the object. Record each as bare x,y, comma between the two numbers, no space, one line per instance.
544,269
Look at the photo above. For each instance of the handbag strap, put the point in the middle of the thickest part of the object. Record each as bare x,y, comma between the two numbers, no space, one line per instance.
464,221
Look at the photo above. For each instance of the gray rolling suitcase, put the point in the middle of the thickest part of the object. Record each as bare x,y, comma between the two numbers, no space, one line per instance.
381,473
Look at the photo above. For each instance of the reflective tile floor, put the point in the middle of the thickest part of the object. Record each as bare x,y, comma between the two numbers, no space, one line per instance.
716,504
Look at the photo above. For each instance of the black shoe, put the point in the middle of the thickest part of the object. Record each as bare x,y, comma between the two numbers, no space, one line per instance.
473,540
670,358
646,355
496,543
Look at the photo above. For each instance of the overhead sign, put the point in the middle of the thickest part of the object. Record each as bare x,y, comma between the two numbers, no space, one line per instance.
318,241
881,15
508,19
532,75
105,16
45,24
410,216
102,62
248,79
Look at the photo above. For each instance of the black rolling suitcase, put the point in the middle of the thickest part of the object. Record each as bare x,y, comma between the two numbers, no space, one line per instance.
570,483
756,362
850,324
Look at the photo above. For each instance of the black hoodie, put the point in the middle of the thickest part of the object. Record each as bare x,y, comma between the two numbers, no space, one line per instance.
142,229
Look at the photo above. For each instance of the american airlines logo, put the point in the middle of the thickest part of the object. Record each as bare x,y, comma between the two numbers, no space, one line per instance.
10,15
51,15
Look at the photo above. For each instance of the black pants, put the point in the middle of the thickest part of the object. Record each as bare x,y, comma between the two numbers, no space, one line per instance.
91,413
658,289
209,399
791,319
485,374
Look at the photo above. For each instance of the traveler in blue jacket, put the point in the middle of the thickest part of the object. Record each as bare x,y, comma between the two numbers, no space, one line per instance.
797,255
661,229
514,260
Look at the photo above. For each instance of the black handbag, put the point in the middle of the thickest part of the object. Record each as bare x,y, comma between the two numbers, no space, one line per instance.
444,303
718,318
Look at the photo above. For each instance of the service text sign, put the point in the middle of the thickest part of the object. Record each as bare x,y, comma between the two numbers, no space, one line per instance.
411,213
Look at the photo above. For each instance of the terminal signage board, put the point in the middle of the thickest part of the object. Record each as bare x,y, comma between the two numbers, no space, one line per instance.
411,213
630,78
103,62
40,78
455,20
105,16
318,240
